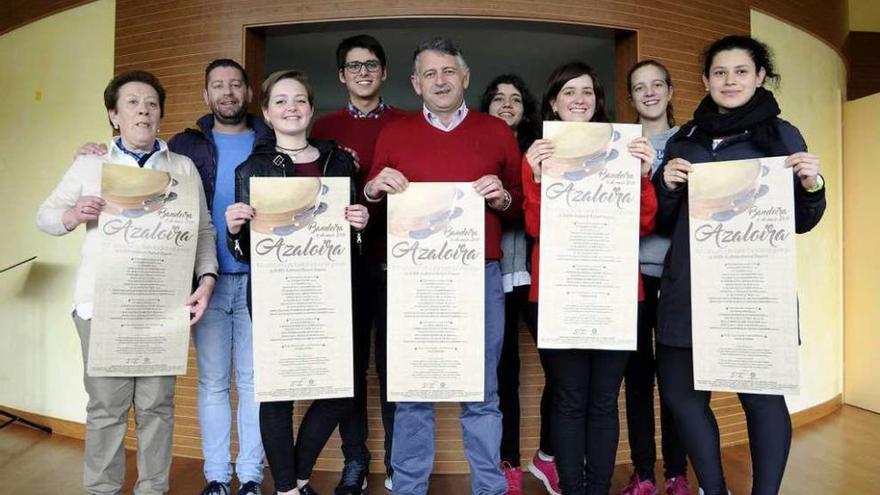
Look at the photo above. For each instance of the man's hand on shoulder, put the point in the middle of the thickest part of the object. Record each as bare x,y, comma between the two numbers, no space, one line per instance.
91,149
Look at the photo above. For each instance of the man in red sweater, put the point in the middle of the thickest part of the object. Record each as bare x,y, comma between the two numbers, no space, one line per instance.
448,142
362,69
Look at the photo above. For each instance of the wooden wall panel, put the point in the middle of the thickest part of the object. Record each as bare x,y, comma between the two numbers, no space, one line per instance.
176,38
862,51
827,20
16,13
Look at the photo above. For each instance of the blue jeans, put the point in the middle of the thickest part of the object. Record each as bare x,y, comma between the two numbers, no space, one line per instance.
412,454
224,333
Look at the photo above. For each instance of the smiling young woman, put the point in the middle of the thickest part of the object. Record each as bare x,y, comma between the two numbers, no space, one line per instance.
738,119
586,383
650,93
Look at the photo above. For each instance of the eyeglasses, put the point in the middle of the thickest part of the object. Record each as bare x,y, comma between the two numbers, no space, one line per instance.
355,66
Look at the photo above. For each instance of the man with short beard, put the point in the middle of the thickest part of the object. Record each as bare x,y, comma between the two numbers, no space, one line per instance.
221,140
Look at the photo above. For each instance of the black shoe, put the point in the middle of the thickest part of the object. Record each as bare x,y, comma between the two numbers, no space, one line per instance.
354,479
216,488
250,488
307,490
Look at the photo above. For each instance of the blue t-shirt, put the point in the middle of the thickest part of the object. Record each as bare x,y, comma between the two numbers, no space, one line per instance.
232,149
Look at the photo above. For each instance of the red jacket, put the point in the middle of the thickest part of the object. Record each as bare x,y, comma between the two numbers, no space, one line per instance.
532,207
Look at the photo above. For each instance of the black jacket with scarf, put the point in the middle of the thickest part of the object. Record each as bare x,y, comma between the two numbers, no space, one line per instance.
694,145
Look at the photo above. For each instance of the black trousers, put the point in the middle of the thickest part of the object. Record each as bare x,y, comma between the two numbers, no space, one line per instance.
584,423
289,462
639,380
516,305
370,311
767,419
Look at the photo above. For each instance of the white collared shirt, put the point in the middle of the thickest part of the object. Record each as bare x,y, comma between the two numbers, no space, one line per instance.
457,118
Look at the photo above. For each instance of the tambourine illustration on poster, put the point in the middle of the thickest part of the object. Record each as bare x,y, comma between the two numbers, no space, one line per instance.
726,189
581,150
134,192
421,212
286,207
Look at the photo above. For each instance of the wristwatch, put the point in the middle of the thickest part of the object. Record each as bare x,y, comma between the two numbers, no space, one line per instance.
820,183
505,204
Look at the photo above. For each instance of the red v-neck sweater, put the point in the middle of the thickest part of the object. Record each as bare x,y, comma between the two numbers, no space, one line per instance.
532,207
480,145
360,135
357,134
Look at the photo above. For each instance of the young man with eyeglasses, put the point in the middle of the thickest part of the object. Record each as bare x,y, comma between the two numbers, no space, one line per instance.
362,69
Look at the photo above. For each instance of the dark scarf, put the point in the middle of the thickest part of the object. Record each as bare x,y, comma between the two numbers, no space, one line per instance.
757,117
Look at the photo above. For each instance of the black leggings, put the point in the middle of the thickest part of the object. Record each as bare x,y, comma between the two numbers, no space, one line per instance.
289,463
585,424
767,419
639,380
515,305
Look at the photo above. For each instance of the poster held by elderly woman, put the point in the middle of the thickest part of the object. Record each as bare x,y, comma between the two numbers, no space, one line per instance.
590,193
301,288
436,272
743,283
149,231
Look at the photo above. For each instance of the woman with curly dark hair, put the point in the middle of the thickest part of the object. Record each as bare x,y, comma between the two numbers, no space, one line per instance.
508,98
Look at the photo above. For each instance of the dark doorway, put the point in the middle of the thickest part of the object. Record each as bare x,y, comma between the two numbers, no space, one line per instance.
492,47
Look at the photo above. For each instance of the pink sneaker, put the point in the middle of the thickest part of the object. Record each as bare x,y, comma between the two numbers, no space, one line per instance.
677,486
546,472
514,478
638,486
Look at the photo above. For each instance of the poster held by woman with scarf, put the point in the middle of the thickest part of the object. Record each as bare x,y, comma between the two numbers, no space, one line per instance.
744,305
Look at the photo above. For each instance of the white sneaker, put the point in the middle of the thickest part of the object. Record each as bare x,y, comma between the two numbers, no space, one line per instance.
388,485
704,493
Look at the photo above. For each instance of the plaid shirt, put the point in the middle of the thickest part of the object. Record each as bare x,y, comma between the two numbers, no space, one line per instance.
372,114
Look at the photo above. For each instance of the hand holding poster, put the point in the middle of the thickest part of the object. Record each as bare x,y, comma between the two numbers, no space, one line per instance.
149,231
590,192
436,288
301,288
743,287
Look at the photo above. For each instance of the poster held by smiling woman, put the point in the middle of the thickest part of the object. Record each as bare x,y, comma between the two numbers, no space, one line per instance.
590,198
301,283
148,235
744,272
436,307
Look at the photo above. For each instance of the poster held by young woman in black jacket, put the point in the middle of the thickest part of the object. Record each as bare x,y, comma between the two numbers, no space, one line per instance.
744,303
301,284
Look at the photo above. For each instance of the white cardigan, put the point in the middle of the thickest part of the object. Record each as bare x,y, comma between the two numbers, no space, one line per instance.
83,178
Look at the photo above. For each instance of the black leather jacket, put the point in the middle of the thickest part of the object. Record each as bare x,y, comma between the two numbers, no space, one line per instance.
266,161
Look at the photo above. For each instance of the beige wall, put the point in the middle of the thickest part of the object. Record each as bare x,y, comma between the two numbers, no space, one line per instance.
53,73
811,96
864,15
862,264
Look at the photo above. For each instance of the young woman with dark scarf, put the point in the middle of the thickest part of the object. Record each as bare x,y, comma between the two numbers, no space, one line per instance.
738,119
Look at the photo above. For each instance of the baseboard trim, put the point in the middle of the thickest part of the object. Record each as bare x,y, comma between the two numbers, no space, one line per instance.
63,427
818,411
78,430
